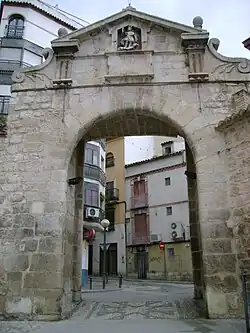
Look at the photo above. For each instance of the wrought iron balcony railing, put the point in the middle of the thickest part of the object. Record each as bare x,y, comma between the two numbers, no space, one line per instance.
112,194
12,65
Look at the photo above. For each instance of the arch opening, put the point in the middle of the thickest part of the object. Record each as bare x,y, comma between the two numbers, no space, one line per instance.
139,123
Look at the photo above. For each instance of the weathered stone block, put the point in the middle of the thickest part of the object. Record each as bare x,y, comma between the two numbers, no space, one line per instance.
217,245
219,263
18,305
16,263
43,280
14,283
46,262
50,244
24,221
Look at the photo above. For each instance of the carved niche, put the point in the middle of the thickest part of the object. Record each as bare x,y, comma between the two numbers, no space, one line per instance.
129,38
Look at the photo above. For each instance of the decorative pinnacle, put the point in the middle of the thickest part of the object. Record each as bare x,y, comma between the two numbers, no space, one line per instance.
198,22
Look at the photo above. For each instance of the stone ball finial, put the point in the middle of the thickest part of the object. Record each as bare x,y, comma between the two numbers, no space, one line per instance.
198,22
62,32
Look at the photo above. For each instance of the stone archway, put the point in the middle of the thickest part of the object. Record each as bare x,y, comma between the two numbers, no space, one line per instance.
167,79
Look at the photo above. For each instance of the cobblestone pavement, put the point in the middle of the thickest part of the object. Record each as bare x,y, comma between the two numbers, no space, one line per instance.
137,307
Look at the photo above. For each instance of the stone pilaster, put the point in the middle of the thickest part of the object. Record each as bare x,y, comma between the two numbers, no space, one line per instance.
195,45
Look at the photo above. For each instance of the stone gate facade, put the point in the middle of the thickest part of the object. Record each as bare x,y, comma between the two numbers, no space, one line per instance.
129,74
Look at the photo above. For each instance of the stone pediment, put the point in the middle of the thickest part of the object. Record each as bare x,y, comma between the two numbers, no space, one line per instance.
116,21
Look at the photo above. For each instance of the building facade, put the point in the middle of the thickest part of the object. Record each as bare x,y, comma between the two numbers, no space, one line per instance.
94,202
140,148
157,197
26,28
115,209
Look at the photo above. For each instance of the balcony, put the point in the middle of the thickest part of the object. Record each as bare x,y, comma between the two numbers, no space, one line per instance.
12,65
140,239
94,172
112,195
93,214
14,31
139,201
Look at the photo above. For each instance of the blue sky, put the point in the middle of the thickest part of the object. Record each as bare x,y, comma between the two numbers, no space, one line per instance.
227,20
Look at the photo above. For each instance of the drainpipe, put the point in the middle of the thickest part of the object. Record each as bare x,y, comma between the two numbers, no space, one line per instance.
126,234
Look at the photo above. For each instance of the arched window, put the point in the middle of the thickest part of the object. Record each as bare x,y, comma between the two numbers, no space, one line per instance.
15,26
110,161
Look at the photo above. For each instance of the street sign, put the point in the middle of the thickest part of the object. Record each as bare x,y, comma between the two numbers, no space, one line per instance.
162,246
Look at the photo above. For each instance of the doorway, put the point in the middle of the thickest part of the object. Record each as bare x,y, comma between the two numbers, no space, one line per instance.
111,260
141,262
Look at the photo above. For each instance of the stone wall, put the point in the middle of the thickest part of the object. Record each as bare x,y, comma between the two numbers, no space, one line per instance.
84,92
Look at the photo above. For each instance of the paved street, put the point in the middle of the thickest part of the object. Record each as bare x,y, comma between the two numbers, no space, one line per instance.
137,307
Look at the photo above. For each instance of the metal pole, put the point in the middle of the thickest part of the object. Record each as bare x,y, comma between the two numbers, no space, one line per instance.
104,259
126,235
165,262
245,298
90,283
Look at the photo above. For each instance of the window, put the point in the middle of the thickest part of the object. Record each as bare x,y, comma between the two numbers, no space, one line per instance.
139,188
167,181
110,161
15,27
169,210
91,156
91,197
4,104
171,252
167,151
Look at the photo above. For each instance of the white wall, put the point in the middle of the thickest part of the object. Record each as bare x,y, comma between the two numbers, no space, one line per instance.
160,222
31,58
159,193
39,29
5,90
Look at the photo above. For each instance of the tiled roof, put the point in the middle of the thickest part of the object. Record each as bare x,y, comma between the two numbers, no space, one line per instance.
156,158
48,9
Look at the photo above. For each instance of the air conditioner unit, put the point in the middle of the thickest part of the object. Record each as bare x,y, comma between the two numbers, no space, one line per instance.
154,238
92,212
177,231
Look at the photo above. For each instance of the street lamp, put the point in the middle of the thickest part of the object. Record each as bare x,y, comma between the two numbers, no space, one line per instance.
105,223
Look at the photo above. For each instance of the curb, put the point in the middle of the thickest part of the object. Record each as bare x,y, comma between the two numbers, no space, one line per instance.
99,290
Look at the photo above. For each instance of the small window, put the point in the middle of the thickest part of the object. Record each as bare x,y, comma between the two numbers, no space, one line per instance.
167,181
15,27
110,161
171,252
169,210
167,150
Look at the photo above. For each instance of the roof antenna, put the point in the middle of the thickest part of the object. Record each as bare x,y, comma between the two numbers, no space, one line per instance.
129,3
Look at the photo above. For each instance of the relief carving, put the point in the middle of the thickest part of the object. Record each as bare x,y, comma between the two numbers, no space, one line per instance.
242,65
34,73
129,38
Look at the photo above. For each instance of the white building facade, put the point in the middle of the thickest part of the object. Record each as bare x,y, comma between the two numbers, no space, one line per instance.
26,28
163,197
